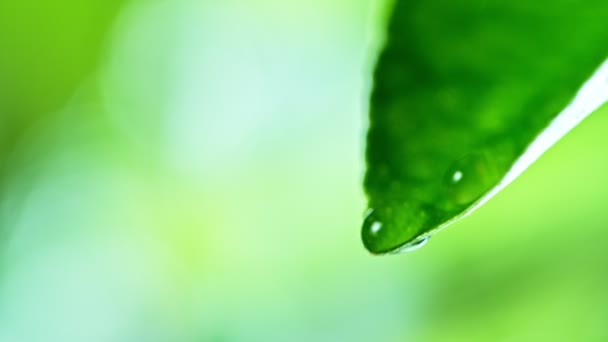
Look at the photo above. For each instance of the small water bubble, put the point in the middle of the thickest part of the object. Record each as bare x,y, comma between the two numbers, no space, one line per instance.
375,227
468,178
371,222
386,229
457,176
414,245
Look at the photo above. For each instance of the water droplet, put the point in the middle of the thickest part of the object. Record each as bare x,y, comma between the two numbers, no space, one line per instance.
415,245
457,176
470,177
375,227
371,222
385,229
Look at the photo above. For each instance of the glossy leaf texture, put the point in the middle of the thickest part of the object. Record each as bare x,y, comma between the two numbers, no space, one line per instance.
467,94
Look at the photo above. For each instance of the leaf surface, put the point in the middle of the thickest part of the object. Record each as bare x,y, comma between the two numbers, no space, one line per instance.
467,94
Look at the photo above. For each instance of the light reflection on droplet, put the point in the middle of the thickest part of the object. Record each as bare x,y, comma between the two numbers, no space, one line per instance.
413,246
469,177
457,176
375,227
371,222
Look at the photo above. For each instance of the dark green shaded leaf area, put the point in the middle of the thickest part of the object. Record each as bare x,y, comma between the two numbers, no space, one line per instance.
461,89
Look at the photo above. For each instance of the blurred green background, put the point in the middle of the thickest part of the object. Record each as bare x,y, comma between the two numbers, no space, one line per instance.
191,171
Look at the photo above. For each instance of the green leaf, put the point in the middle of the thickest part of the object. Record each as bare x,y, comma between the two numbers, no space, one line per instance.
47,48
467,94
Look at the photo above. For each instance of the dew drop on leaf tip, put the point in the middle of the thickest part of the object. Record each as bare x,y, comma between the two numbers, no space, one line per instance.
373,229
414,245
371,223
